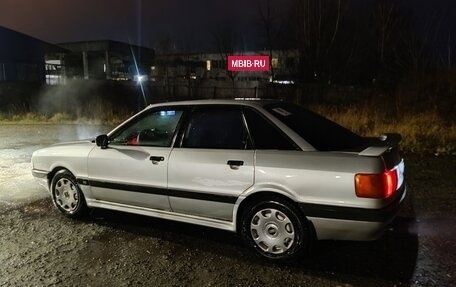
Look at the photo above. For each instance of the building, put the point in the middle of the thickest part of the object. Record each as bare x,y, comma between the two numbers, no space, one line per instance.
102,60
206,74
22,57
211,69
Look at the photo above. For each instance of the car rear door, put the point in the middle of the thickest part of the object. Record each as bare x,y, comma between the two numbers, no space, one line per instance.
212,164
132,170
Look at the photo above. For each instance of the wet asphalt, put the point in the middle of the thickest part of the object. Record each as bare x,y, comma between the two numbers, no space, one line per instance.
39,247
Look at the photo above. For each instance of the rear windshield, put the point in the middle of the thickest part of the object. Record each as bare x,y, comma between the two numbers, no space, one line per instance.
321,133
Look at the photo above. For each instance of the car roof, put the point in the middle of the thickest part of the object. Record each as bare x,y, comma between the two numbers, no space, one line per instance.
254,102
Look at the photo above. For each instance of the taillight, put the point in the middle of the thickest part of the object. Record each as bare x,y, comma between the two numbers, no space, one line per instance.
381,185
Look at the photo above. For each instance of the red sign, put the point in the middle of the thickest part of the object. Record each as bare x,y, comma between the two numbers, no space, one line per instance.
248,63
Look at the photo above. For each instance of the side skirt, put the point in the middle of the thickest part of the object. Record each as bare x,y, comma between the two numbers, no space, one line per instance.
192,219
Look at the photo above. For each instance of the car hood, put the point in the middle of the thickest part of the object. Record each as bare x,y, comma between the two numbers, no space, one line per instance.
72,143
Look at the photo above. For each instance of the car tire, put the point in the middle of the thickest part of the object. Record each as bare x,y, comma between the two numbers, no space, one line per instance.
67,195
275,229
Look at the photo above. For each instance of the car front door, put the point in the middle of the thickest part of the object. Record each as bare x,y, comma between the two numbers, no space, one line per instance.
132,170
212,164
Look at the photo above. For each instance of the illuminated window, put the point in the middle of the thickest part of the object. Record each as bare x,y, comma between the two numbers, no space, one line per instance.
208,65
275,62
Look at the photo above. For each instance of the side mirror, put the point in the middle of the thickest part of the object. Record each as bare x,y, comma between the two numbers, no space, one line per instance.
102,141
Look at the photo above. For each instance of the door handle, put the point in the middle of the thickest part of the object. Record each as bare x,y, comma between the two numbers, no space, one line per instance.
235,162
156,159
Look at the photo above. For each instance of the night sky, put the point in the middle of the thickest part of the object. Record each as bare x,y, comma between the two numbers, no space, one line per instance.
147,22
143,22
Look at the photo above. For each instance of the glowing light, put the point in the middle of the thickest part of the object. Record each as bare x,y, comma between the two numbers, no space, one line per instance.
285,82
275,62
167,113
247,99
140,78
137,71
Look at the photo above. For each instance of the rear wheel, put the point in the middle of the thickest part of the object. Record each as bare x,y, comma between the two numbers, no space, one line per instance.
67,195
275,229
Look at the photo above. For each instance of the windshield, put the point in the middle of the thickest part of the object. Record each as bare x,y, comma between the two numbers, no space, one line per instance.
321,133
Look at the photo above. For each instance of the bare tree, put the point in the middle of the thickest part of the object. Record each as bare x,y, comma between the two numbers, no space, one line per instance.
271,26
272,23
164,62
416,51
225,42
319,27
385,23
399,49
449,49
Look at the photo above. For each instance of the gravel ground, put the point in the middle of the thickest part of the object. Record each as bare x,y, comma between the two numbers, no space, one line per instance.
40,247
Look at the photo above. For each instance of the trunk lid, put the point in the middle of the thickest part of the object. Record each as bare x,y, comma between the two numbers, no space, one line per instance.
385,146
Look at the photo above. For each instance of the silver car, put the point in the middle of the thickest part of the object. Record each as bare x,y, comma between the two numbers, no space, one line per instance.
275,172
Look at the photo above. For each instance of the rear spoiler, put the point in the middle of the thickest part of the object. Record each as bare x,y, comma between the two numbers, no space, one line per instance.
384,143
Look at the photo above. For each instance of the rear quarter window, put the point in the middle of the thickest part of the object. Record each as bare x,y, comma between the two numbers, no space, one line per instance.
265,135
322,133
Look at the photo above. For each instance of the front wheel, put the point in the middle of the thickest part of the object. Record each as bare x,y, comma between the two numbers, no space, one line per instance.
275,229
67,195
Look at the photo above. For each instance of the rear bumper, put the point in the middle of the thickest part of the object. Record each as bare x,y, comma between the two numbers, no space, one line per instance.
352,223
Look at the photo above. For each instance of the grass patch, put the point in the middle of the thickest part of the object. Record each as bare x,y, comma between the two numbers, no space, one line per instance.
58,118
426,132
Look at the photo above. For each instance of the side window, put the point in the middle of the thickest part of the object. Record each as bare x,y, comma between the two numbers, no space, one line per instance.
155,128
264,134
216,127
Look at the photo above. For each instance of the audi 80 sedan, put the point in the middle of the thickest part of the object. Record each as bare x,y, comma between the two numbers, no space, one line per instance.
276,173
